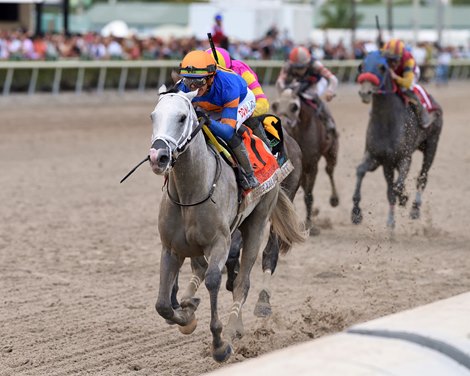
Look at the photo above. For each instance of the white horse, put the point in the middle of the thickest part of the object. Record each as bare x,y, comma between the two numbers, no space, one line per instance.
198,215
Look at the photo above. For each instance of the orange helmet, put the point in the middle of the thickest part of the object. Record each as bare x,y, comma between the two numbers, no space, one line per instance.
299,57
197,64
393,49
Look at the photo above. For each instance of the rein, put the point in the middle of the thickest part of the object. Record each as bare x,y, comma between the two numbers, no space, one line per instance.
211,191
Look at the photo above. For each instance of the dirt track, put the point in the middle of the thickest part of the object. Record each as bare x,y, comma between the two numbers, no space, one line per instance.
79,253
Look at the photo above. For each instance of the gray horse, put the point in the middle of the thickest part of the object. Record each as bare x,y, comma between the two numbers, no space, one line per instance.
393,134
199,213
301,120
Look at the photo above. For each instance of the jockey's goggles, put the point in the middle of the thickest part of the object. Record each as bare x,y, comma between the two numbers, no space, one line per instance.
299,69
194,71
194,82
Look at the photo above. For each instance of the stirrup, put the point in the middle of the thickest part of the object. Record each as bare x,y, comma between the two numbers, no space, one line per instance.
249,181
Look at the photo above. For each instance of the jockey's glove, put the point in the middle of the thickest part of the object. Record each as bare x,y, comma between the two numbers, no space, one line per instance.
203,118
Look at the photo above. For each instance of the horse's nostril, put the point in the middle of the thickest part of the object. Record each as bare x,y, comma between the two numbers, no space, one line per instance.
163,160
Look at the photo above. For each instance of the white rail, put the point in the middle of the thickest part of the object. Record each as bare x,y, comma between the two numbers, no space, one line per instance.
267,71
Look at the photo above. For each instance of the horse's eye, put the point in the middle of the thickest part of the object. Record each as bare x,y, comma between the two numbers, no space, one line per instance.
293,107
274,106
182,118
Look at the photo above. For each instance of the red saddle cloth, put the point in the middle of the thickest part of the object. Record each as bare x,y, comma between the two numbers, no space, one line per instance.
424,98
263,162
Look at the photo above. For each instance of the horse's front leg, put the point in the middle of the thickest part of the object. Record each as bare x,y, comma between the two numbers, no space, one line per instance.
399,188
388,173
367,164
308,182
331,160
170,265
221,349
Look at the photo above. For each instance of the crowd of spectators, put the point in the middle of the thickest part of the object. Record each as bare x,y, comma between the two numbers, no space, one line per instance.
21,45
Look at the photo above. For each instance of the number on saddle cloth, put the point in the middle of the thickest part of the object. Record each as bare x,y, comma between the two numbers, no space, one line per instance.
273,128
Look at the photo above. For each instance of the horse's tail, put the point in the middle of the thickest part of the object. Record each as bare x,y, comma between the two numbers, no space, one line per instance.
286,224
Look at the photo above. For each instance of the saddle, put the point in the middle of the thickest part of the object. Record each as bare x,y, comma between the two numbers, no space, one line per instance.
263,162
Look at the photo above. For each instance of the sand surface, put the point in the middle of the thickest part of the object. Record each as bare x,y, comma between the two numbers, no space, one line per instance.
79,252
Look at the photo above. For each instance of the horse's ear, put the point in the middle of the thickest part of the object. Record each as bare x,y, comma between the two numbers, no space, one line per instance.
175,76
275,105
191,94
162,89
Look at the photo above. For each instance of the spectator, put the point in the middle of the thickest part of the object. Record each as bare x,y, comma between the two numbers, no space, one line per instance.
218,34
444,58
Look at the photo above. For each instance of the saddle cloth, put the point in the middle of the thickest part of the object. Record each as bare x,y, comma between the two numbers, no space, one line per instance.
423,96
264,163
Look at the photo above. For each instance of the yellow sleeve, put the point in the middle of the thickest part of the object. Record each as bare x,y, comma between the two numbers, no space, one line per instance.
262,107
406,81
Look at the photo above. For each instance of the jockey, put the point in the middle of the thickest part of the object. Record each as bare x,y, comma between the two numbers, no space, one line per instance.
225,96
402,68
314,79
262,105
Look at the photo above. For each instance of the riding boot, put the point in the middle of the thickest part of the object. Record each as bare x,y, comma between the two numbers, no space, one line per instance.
241,154
327,118
424,118
258,130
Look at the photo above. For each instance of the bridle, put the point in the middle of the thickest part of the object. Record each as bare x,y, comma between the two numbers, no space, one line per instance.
187,135
181,145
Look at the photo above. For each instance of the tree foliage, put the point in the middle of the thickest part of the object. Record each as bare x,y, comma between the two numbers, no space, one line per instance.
338,14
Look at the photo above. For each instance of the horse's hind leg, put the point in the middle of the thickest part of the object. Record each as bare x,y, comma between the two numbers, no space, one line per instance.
388,173
429,152
251,229
399,187
221,349
269,263
331,159
367,164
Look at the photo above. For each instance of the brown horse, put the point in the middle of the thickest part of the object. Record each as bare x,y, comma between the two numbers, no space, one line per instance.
301,120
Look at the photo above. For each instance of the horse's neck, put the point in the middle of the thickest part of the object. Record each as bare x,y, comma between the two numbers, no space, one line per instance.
385,107
193,171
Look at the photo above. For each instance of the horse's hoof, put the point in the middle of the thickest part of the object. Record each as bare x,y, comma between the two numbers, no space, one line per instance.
314,230
222,353
188,329
263,307
415,213
403,200
356,216
334,201
262,310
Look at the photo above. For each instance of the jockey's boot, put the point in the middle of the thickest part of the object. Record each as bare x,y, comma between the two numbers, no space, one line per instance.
424,118
241,154
327,118
258,130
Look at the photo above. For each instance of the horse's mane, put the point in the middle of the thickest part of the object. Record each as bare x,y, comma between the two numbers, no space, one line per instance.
171,90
